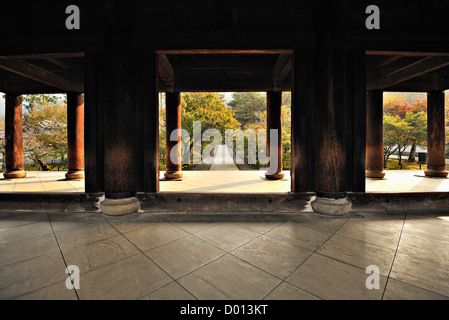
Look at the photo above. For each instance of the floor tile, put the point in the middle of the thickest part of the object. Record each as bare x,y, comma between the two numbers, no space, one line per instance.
286,291
13,219
229,278
155,236
358,253
333,280
57,291
96,254
133,222
24,231
28,248
422,262
227,236
128,279
434,226
184,255
371,232
398,290
172,291
273,256
28,275
294,233
81,233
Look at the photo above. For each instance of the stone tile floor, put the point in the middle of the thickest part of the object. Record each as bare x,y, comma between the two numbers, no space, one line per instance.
224,256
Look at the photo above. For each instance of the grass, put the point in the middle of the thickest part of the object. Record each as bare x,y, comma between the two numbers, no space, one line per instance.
393,164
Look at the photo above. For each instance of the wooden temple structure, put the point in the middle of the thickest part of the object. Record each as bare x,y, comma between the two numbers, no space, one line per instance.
122,54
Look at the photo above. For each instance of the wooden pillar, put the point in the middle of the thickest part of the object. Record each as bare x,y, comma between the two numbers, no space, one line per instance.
14,137
173,122
75,136
436,159
117,98
333,130
303,120
374,135
274,122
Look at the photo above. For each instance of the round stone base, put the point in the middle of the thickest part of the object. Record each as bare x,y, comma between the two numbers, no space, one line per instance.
435,173
377,174
120,207
277,176
173,174
15,174
331,206
74,175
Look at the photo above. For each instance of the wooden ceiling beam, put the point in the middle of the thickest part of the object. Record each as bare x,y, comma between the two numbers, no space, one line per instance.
30,71
166,72
411,71
282,68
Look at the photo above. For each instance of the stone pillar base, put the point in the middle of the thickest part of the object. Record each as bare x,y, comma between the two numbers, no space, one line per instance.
173,174
14,174
436,172
74,174
120,207
331,206
378,174
277,176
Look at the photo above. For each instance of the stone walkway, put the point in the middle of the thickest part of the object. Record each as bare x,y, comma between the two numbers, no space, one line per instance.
223,160
224,256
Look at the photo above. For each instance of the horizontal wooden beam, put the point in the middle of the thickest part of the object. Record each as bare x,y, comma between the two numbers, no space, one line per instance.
225,86
405,53
30,71
227,51
416,69
215,61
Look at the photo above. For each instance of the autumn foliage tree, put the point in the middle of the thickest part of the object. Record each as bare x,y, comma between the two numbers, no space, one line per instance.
405,123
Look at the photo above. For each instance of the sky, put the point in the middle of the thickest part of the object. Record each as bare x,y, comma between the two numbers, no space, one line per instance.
2,106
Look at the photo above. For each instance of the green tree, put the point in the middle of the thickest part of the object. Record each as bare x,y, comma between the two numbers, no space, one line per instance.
396,136
210,109
418,135
45,127
247,105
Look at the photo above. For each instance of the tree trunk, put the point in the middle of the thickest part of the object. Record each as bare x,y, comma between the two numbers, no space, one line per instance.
411,156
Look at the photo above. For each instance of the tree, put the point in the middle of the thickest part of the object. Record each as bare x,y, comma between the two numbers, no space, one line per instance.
210,109
396,136
247,105
45,127
418,135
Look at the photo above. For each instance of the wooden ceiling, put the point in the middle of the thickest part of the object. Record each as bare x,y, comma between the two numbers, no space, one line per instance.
224,70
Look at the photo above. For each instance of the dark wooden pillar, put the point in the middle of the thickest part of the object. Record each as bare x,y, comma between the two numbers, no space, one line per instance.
93,126
333,129
274,122
436,159
117,98
14,137
173,122
374,134
75,136
303,120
